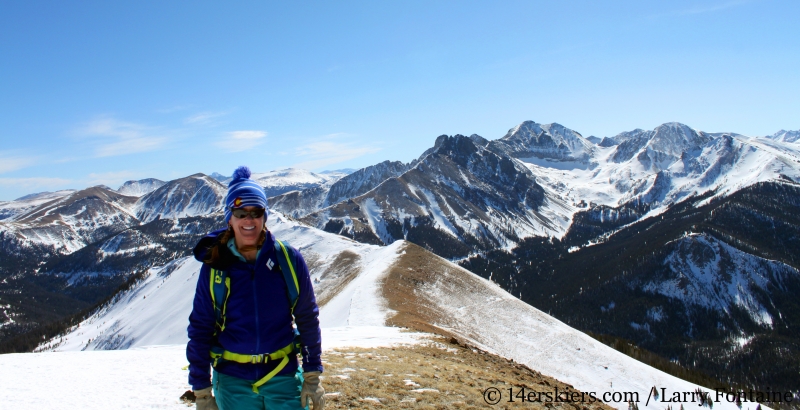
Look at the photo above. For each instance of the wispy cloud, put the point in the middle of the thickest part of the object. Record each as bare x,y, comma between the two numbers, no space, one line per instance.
10,163
111,179
238,141
35,182
331,149
175,108
203,118
703,9
117,137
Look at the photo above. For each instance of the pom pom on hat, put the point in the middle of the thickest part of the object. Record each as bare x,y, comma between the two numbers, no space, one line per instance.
243,191
240,173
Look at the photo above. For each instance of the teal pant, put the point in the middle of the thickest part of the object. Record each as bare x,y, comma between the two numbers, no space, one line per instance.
279,393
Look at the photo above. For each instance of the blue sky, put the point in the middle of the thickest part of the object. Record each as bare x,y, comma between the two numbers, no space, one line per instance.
99,92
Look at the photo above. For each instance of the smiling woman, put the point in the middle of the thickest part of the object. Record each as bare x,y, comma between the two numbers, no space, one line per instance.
244,224
244,310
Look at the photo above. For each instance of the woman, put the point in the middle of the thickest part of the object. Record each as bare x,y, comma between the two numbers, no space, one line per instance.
241,321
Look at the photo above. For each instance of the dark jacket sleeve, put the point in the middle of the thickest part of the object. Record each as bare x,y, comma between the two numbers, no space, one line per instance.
306,317
201,332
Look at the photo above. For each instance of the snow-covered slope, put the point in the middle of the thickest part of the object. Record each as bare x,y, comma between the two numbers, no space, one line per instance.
9,209
71,222
363,180
290,179
140,187
293,179
532,141
134,321
467,194
458,196
708,273
669,164
474,309
786,136
301,203
156,311
385,284
194,195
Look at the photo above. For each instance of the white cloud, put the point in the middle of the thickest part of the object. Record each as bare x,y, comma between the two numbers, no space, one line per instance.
238,141
115,137
111,179
35,182
175,108
329,150
13,163
130,146
204,117
704,9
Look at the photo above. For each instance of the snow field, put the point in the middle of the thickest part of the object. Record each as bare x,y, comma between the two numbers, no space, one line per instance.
149,377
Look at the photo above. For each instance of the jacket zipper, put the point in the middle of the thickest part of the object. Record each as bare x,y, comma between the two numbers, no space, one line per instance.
258,326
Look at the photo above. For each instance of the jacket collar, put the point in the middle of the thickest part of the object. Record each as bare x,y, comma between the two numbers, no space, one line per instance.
212,239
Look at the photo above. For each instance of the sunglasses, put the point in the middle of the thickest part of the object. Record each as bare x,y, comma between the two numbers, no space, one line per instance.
241,213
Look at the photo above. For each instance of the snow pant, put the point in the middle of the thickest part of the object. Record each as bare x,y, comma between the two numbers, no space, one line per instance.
279,393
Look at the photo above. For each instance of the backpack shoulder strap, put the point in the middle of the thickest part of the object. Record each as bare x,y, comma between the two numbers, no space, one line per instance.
220,288
287,259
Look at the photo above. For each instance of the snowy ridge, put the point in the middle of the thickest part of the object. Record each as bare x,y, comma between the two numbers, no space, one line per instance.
658,148
194,195
362,181
532,181
710,273
668,165
488,317
785,136
360,303
280,181
463,190
545,141
9,209
133,321
292,179
73,221
301,203
140,187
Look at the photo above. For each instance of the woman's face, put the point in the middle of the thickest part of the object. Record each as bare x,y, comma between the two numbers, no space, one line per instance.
247,230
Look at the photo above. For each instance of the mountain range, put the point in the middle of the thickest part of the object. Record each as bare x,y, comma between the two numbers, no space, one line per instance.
367,293
673,239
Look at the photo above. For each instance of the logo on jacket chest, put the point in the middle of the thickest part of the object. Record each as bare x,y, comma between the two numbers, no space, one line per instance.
270,263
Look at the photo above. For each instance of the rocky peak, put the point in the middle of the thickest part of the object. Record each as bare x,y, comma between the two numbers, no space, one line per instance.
95,197
659,148
674,138
786,136
363,180
140,187
455,146
545,141
478,140
194,195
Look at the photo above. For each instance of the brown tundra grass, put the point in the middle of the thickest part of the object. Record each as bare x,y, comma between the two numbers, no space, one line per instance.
436,375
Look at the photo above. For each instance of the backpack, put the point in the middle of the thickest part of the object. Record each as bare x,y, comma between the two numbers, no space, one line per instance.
220,287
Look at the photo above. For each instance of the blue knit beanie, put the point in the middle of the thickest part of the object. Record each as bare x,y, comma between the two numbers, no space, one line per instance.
243,191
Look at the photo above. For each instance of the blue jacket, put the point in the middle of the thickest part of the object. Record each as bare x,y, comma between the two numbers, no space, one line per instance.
258,318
